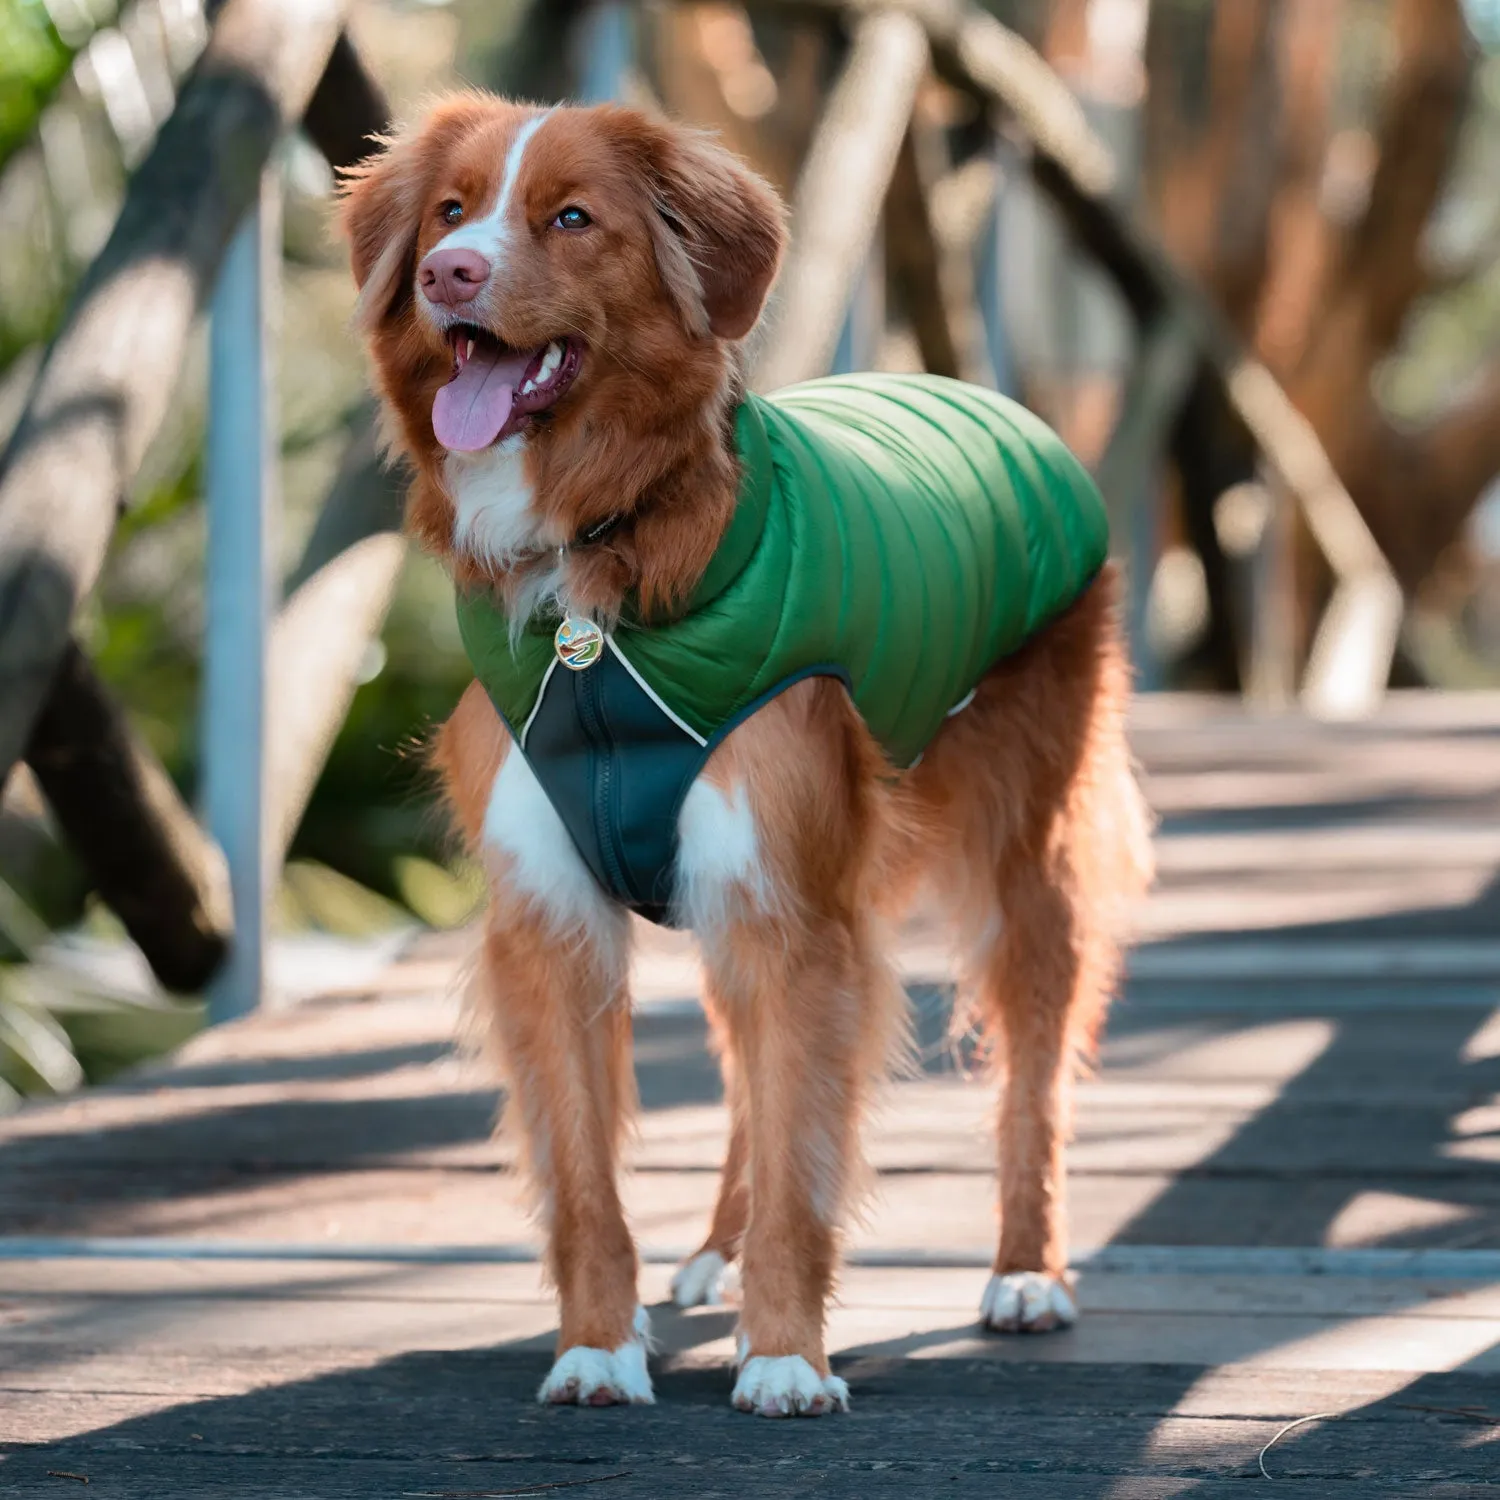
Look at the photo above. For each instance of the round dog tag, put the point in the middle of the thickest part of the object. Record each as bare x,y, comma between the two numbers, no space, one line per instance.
579,643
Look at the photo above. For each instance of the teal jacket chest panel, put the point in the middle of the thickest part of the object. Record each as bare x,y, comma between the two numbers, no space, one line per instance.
901,533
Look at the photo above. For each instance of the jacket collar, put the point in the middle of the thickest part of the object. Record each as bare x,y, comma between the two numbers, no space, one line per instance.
742,535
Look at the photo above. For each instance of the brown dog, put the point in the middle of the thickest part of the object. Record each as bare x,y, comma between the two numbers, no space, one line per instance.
553,302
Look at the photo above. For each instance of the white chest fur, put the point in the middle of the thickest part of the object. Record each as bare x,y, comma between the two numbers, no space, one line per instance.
494,521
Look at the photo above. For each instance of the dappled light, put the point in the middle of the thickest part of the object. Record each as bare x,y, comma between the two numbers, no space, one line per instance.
348,1050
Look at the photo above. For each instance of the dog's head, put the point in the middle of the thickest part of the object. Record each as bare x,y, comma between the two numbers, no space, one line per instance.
561,287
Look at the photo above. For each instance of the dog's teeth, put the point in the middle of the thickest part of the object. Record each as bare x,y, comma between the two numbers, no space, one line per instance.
469,352
528,388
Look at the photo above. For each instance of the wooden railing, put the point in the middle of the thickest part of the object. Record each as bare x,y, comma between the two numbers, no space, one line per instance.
198,225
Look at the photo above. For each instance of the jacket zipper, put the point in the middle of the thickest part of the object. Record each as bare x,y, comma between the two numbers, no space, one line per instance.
591,712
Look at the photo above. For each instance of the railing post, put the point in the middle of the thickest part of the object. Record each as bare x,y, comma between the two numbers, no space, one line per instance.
1271,682
605,42
243,500
989,277
864,318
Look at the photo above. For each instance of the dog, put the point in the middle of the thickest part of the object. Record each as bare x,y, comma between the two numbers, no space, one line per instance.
554,302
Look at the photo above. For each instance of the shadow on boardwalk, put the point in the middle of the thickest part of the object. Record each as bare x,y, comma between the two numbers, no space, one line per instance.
462,1424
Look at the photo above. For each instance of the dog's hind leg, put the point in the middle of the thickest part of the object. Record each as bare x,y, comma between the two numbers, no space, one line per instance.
708,1276
1026,982
1041,845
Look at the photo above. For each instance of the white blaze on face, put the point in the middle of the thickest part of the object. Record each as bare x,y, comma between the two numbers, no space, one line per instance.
492,234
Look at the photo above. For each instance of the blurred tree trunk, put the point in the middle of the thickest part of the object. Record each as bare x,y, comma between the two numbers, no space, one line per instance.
1212,143
760,85
1311,236
1415,488
1213,156
522,49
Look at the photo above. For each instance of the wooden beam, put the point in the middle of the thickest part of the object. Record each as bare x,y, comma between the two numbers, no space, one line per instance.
1075,169
159,872
108,378
338,595
836,207
144,853
337,600
347,109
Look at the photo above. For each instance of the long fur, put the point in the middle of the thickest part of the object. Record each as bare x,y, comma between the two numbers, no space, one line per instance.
1023,815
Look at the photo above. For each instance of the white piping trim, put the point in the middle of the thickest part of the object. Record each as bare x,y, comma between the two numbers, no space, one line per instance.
645,687
536,707
961,705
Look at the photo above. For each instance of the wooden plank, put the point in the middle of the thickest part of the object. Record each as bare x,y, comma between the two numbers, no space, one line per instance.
1282,1192
1315,1281
914,1315
278,1416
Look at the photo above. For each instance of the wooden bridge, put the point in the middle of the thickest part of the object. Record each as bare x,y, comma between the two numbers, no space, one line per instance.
292,1262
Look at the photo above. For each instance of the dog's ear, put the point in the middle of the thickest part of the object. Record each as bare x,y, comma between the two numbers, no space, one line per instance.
381,207
718,228
379,215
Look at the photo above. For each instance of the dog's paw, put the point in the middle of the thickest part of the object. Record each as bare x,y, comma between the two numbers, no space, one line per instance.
602,1377
787,1387
1027,1302
707,1280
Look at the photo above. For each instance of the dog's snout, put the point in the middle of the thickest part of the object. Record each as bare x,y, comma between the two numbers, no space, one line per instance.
453,277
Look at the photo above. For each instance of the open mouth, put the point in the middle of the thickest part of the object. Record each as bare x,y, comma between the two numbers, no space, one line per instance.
497,390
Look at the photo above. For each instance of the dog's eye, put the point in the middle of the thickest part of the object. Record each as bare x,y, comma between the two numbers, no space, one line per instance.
453,213
572,217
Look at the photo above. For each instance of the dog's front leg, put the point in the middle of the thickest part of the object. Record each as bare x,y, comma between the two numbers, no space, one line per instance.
554,974
796,1012
776,839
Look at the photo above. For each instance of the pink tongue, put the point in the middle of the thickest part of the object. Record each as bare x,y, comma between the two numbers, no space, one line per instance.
471,410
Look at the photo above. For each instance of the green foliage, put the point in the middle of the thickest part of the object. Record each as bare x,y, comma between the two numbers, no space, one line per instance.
375,805
56,1035
34,59
440,896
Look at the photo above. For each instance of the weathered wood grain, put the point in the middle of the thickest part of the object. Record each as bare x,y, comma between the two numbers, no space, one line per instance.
1327,1110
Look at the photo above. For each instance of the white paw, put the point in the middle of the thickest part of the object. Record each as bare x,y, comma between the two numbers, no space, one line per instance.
602,1377
1027,1302
787,1387
707,1280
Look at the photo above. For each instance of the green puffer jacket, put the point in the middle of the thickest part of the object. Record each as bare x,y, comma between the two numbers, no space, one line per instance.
901,533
